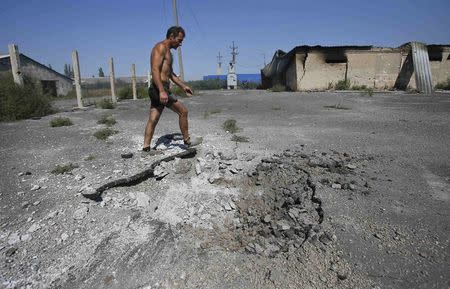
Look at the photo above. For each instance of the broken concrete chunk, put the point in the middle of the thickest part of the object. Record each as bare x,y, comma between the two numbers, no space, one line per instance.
81,213
35,188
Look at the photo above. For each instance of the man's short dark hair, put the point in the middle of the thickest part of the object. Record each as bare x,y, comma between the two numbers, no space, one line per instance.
175,30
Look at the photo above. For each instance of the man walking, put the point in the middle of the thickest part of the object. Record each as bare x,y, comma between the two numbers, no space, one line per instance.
160,96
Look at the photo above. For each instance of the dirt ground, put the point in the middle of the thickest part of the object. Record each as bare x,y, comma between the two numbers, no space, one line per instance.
330,190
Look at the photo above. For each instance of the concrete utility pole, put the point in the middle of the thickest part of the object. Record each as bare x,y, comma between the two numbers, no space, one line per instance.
112,80
133,80
149,79
231,76
76,74
14,57
219,68
180,58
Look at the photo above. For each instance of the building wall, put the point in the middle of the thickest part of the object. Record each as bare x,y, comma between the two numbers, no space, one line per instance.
318,73
440,70
292,74
374,69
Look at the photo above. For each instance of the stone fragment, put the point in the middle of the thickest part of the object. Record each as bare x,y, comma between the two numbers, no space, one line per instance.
25,205
267,219
25,237
228,156
35,188
336,186
13,239
215,178
350,166
127,155
143,200
79,177
64,236
80,213
11,251
34,228
198,169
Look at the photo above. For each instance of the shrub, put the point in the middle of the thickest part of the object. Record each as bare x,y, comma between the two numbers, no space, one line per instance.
60,121
230,126
443,85
359,87
278,88
342,85
107,119
21,102
58,170
105,104
125,92
369,91
238,138
103,134
208,84
178,91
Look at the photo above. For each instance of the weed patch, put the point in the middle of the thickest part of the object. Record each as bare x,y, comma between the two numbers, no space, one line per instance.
103,134
64,169
90,158
278,88
107,119
60,121
105,104
230,126
342,85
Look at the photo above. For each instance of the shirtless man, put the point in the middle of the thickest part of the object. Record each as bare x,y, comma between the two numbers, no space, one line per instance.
160,96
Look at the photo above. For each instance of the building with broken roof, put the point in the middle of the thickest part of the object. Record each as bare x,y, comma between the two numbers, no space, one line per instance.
413,65
51,81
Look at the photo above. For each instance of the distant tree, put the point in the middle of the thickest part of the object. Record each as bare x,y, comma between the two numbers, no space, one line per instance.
100,72
68,70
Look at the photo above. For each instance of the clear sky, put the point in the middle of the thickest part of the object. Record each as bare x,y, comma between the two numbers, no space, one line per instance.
48,30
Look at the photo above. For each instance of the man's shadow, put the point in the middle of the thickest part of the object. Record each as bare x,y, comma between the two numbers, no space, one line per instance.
167,139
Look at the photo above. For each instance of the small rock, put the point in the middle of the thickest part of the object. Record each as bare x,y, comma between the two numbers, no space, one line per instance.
350,166
11,251
25,237
20,193
143,200
227,206
35,188
52,215
117,171
227,156
34,228
352,187
342,276
127,155
198,169
336,186
81,213
79,177
64,236
378,236
267,219
25,205
234,171
36,203
13,239
215,178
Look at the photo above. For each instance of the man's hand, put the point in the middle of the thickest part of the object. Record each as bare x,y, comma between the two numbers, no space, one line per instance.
188,90
163,97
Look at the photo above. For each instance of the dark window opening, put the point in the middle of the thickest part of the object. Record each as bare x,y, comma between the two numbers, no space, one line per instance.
49,87
336,58
435,57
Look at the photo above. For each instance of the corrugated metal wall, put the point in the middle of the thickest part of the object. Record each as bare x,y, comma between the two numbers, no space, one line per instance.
422,67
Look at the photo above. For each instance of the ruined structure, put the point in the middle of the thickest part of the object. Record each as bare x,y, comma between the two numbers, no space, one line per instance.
413,65
52,82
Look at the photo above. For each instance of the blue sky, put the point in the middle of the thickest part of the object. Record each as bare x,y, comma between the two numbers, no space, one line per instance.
48,30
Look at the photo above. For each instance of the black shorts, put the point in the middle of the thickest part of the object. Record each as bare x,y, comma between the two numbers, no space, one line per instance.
153,92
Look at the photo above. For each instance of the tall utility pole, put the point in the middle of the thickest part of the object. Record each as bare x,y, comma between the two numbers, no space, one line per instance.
180,58
234,53
219,68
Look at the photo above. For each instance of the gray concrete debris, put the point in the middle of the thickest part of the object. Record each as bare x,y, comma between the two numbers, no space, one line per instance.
198,169
35,187
81,213
79,177
336,186
143,200
34,228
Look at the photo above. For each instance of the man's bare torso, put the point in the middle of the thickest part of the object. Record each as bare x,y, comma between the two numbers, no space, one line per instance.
166,68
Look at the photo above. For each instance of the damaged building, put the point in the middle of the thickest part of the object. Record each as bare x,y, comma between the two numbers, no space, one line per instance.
413,65
51,81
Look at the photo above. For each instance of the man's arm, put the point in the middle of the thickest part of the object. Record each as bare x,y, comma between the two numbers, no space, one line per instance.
156,63
181,84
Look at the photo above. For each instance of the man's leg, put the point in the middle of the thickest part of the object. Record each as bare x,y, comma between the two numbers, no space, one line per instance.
182,112
153,119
